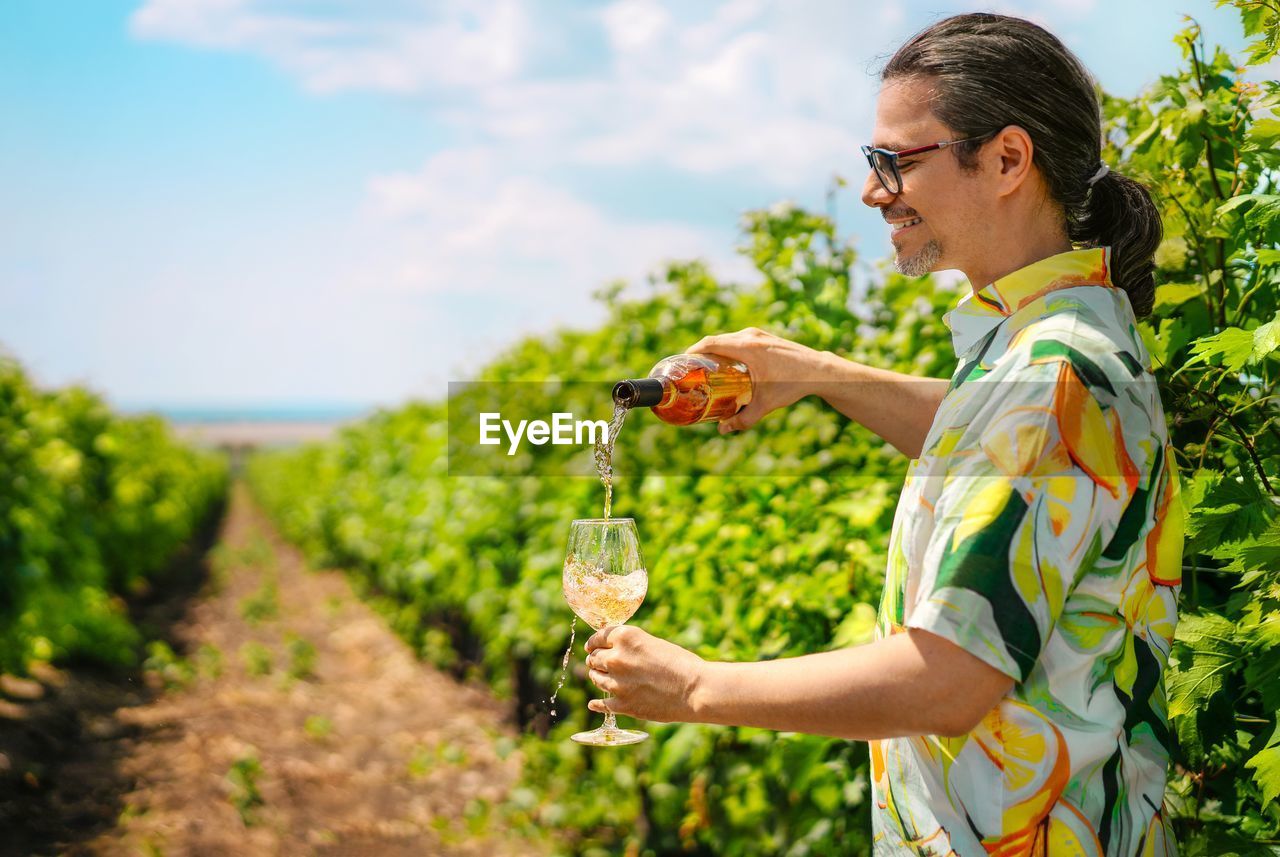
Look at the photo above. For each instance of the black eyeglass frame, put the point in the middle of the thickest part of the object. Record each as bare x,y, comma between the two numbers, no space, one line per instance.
892,157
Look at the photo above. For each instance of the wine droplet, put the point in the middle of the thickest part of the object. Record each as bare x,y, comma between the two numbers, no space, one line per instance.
564,662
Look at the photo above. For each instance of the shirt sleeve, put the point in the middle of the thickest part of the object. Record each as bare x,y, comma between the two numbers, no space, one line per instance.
1034,488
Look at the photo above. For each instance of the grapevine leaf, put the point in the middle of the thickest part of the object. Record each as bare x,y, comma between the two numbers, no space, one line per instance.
1171,295
1253,18
1224,511
1264,49
1259,629
1199,486
1265,133
1266,767
1245,201
1251,553
1143,137
1264,218
1234,345
1204,652
1266,339
1238,347
1261,214
1263,676
1174,334
1203,644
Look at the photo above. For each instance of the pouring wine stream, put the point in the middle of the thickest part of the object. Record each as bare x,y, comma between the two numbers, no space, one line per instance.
603,456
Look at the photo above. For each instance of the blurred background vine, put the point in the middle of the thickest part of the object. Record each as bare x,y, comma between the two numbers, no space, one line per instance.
93,506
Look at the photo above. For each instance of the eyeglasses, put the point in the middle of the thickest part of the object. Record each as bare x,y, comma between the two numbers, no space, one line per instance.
885,161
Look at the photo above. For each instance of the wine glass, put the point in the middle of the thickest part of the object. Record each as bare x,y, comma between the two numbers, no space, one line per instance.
604,582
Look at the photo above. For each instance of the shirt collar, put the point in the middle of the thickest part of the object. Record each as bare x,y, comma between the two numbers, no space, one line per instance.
977,313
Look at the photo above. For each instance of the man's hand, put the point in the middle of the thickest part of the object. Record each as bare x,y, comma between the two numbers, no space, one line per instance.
648,678
900,408
782,371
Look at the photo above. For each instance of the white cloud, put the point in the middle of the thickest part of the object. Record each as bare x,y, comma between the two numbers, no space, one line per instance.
634,25
484,257
740,87
460,225
471,44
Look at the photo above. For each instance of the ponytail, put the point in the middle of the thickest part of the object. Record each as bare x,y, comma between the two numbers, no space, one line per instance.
1118,212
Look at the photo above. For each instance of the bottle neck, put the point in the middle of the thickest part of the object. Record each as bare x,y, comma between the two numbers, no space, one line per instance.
642,392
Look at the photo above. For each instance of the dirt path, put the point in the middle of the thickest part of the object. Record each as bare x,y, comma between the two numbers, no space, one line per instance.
293,722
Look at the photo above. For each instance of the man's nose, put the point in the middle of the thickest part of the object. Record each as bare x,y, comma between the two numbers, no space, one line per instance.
873,192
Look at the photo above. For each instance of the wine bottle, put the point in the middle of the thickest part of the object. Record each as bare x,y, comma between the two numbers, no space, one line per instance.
689,388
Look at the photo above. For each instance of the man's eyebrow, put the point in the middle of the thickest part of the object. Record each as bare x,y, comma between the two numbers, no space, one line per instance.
893,146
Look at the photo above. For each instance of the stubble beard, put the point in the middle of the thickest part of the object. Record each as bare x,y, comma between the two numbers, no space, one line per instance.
920,263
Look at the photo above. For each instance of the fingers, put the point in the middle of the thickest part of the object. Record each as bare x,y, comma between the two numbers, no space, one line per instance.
600,639
602,706
743,419
740,421
705,344
604,681
735,346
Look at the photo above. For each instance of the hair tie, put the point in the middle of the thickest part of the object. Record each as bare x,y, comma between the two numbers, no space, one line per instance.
1103,169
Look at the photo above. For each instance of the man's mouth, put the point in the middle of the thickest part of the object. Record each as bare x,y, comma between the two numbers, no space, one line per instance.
905,224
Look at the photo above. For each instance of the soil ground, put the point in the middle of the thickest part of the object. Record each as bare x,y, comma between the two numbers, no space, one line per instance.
289,720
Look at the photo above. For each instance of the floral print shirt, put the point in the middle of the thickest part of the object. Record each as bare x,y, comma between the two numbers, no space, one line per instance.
1040,530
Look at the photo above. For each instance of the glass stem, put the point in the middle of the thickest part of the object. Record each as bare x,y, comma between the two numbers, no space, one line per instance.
610,719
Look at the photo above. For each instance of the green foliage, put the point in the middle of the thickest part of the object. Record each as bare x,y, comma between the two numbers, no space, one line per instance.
256,658
752,567
1206,145
425,759
1266,767
92,507
302,657
1204,653
173,671
243,781
208,661
317,727
264,602
421,762
1260,18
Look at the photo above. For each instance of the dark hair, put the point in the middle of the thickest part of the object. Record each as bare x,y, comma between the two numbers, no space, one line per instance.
994,70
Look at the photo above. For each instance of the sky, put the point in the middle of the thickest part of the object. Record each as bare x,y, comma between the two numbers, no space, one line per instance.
288,202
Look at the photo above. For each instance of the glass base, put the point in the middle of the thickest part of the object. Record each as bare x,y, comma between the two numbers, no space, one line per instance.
603,737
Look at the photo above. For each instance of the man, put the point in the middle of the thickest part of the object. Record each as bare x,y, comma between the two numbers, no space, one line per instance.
1013,696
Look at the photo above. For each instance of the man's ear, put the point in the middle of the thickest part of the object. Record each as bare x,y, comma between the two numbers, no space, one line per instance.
1011,153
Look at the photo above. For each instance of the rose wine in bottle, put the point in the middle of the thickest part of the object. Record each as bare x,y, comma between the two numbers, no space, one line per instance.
689,388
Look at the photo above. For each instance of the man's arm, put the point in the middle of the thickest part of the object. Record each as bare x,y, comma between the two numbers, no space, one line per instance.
912,683
897,407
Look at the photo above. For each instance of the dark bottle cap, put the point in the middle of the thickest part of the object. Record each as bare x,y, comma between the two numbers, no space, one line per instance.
638,392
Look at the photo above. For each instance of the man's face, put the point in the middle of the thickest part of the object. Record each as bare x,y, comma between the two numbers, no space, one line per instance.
934,188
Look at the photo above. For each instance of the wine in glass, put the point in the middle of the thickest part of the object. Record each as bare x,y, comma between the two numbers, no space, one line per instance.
604,582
